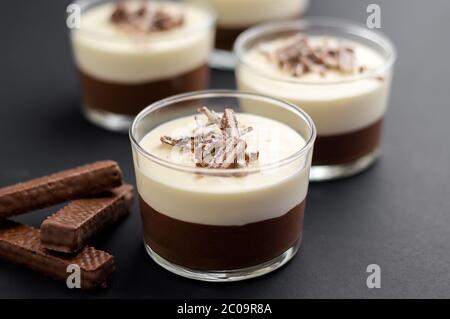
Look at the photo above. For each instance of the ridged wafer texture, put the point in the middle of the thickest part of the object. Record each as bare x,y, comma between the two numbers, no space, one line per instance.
59,187
72,227
21,245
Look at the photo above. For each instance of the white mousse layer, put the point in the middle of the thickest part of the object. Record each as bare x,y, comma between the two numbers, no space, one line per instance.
105,52
335,108
244,13
229,200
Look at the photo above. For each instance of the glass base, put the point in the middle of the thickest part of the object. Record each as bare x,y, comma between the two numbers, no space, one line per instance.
109,121
222,60
226,275
321,173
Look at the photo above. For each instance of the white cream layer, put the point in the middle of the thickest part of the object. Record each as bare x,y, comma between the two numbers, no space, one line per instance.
244,13
107,53
233,200
335,108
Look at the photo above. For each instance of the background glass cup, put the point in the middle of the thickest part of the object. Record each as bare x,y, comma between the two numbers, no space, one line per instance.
122,73
234,16
347,112
220,224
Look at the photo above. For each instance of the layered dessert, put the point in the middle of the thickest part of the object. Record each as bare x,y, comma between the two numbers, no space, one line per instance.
342,84
132,53
208,200
234,16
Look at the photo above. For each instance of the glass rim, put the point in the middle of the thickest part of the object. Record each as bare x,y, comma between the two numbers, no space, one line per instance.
86,5
344,26
222,93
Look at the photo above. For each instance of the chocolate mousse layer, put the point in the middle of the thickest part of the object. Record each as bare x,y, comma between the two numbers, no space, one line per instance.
226,36
130,99
210,247
348,147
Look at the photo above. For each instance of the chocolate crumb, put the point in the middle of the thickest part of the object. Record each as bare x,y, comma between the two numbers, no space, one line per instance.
120,14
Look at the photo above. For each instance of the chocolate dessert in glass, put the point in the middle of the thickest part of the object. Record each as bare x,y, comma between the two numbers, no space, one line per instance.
338,72
235,16
131,53
222,193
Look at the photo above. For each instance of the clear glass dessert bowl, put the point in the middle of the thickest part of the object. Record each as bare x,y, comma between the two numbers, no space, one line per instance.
222,222
336,71
235,16
132,53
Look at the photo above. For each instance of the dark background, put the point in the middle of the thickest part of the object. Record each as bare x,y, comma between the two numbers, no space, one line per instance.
396,214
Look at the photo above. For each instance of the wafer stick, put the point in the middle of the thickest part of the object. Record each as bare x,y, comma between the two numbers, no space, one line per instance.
21,245
72,227
59,187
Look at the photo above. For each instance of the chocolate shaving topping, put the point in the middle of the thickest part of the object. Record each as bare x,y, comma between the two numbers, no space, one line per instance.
211,115
299,56
145,18
218,143
175,141
229,122
346,59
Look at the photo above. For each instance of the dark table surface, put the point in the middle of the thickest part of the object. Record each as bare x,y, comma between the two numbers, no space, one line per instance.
396,215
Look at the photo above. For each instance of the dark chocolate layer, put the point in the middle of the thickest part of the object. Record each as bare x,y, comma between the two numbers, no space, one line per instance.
130,99
226,36
348,147
208,247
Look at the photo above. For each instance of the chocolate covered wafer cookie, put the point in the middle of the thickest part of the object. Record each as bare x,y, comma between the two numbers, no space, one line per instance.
20,244
59,187
72,227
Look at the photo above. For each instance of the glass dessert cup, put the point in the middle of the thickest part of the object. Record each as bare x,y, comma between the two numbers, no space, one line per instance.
122,71
235,16
222,224
348,111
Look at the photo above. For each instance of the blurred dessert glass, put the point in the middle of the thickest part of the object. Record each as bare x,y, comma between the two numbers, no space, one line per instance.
132,53
234,16
338,72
